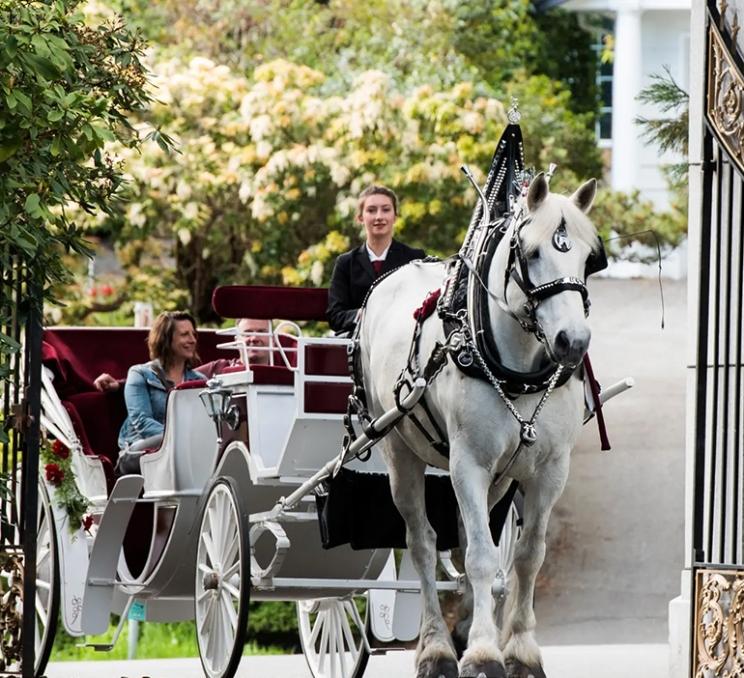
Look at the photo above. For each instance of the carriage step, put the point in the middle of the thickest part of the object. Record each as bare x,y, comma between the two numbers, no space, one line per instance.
104,557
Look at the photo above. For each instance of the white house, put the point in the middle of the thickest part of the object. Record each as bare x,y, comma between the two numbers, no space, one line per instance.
649,35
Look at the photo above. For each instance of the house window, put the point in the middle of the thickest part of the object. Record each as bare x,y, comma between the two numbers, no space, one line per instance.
602,47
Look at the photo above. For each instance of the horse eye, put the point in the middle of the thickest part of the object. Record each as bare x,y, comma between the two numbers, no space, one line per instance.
534,255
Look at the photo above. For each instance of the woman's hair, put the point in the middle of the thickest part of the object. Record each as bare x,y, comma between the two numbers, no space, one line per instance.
161,336
375,189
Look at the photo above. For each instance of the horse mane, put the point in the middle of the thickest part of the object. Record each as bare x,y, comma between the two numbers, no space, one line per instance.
546,218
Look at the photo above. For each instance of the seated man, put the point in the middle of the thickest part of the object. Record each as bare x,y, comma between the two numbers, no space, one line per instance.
257,331
356,270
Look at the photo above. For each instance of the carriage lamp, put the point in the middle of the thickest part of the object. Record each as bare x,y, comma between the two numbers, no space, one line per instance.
216,401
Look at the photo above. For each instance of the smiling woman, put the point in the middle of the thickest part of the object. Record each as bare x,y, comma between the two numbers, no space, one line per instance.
172,346
356,270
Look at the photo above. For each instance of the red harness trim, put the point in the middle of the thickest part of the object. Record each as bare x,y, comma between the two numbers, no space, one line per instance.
428,305
594,388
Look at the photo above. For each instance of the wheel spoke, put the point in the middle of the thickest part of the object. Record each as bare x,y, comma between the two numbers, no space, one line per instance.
207,614
211,556
41,612
323,648
42,584
332,642
234,592
317,627
348,635
232,570
228,531
231,551
230,612
42,556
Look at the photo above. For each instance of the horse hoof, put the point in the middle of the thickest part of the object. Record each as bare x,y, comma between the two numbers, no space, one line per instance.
516,669
490,669
444,667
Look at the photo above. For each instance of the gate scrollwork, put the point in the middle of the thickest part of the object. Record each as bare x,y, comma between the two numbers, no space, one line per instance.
719,633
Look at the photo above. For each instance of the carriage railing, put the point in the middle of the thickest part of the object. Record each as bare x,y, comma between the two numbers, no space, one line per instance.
275,345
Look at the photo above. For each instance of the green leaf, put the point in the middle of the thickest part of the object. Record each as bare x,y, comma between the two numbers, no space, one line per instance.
11,47
55,114
42,66
56,146
11,100
33,205
9,342
23,100
8,150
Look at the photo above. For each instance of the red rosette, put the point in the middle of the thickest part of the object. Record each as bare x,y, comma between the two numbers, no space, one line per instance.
60,450
54,474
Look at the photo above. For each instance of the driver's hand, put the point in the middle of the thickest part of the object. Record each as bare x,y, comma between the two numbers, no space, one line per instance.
105,382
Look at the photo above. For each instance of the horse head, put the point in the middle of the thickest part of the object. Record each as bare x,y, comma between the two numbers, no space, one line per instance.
541,266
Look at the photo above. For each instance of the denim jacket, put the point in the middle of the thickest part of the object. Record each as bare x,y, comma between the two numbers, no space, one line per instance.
145,393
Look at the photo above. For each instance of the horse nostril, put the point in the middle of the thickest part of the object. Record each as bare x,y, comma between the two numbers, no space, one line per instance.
562,343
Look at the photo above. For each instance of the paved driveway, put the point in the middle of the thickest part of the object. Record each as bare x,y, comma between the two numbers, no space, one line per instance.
615,661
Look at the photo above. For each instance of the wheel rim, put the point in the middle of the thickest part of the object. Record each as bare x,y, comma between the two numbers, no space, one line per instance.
332,637
219,582
46,607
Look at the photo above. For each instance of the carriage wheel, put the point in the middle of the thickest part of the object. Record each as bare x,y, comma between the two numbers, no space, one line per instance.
222,581
333,637
505,555
47,576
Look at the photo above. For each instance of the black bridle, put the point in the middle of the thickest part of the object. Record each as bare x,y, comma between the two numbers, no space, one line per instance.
517,269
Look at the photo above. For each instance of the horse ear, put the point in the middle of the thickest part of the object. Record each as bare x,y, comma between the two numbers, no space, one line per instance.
584,196
537,192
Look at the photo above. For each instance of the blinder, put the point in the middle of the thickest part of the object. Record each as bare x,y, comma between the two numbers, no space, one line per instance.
597,260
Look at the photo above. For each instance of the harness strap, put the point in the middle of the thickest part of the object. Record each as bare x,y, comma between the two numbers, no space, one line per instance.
594,388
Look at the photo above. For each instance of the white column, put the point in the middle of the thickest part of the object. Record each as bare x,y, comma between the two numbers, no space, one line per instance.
626,84
680,609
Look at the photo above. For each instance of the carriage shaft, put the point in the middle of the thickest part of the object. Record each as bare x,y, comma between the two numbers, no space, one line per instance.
410,586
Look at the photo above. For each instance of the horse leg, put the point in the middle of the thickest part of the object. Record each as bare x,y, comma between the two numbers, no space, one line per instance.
523,658
435,657
462,627
472,485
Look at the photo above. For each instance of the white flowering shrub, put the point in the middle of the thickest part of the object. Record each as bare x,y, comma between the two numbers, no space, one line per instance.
263,186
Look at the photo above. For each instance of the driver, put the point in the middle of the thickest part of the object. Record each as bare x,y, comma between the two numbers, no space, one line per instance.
356,270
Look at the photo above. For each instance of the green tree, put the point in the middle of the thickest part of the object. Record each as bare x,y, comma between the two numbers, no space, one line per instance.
66,89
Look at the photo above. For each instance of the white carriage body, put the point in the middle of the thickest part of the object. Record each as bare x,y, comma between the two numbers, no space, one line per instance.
284,440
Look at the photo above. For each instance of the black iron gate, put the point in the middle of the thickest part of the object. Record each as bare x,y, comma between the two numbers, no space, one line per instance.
20,384
718,506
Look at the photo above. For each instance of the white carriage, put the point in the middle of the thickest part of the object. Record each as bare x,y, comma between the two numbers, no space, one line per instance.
225,510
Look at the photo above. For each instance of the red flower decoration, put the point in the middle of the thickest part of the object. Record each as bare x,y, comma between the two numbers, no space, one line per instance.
54,474
106,290
87,522
59,449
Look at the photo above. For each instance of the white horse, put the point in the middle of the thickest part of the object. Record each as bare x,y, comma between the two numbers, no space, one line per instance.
481,432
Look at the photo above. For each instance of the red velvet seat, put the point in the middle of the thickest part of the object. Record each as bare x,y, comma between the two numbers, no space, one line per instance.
329,360
326,398
78,355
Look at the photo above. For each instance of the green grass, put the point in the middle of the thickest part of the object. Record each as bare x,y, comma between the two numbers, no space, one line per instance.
156,641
